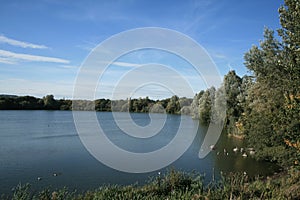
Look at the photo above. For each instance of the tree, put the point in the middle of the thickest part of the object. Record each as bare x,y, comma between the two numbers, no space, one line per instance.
173,106
272,119
232,86
195,105
205,105
157,108
220,105
289,125
50,103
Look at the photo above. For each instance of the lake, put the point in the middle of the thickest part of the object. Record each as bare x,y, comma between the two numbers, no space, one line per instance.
45,144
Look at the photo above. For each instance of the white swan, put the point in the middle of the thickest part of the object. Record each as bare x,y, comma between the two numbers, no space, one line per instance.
212,147
235,149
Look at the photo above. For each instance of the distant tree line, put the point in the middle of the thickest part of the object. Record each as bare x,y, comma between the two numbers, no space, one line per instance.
170,105
233,90
11,102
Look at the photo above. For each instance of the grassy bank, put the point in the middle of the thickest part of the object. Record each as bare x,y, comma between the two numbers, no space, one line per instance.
180,185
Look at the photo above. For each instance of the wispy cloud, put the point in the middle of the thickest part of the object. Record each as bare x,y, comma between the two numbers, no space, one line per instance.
22,44
7,61
122,64
70,66
125,64
219,55
12,58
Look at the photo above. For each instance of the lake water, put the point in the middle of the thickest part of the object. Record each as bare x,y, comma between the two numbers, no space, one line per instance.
40,143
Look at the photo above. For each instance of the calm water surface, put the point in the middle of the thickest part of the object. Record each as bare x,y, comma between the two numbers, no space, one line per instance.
40,143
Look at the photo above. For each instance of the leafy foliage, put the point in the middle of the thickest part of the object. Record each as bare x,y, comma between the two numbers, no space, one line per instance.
272,120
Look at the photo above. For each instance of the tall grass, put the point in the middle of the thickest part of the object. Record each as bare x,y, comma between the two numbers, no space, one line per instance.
180,185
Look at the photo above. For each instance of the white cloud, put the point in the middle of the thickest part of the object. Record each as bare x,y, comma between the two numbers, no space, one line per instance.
121,64
125,64
70,66
17,43
11,58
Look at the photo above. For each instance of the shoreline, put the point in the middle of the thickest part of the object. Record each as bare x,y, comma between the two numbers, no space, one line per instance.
180,185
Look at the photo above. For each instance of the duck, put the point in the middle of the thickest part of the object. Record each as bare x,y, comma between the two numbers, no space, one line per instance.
39,178
235,149
252,152
244,155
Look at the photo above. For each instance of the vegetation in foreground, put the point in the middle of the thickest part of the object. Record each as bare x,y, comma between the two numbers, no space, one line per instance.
180,185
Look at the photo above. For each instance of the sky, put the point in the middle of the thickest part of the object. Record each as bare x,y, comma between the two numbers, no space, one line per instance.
45,43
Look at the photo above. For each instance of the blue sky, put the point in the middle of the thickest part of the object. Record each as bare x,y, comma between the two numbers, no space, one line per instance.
44,42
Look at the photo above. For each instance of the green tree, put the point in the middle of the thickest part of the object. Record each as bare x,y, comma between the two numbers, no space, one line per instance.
50,103
232,86
205,105
272,119
157,108
173,106
220,105
102,105
289,126
195,105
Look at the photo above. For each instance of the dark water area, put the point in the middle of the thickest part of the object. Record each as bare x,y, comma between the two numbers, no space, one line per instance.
43,148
